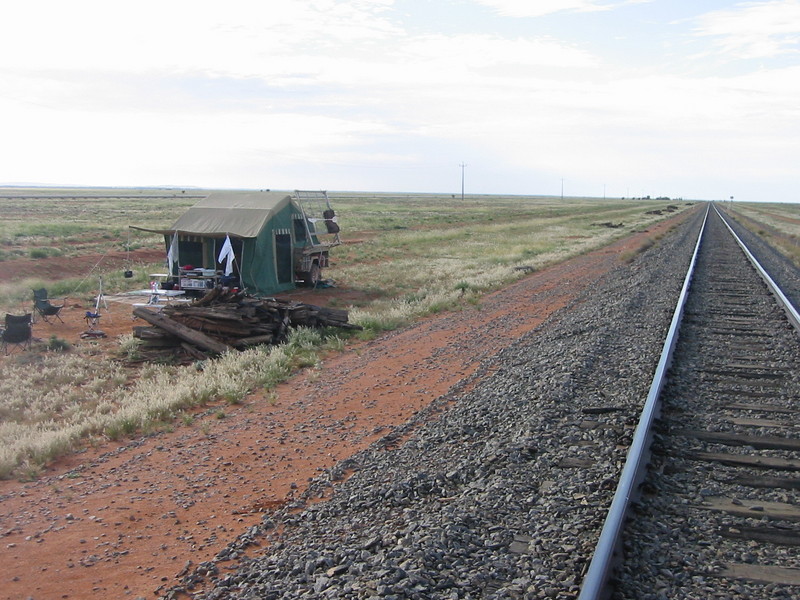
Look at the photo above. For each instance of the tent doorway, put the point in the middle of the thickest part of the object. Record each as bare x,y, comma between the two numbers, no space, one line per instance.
191,252
283,257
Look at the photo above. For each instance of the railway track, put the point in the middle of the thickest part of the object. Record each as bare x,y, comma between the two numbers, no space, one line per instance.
718,513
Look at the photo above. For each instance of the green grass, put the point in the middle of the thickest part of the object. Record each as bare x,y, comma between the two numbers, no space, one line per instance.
435,261
84,221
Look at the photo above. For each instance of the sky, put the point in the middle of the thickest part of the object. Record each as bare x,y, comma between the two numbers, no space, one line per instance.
603,98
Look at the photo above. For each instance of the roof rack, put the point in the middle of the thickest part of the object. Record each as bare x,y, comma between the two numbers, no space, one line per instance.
317,209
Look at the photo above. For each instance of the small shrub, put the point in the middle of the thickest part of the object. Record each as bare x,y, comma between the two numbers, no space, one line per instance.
234,396
439,306
56,344
130,347
120,428
29,472
44,252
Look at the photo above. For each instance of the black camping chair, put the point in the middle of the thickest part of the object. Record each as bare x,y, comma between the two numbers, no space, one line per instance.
42,305
18,333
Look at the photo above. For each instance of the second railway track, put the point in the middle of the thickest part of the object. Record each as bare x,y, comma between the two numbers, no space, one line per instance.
719,515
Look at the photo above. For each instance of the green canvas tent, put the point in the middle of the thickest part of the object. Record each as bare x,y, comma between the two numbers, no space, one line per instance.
272,236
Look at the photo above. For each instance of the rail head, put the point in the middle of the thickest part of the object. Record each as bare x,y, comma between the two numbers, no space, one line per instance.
595,583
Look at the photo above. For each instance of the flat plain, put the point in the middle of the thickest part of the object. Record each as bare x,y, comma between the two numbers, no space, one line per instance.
404,257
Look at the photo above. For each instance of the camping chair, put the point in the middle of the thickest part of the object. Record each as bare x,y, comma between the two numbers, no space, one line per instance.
18,332
92,321
42,305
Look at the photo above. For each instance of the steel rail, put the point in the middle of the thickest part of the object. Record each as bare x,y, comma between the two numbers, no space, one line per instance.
783,301
595,583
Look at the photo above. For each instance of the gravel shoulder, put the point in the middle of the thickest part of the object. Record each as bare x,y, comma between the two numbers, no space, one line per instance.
492,408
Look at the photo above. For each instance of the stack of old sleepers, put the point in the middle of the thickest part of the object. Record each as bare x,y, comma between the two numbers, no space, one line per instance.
222,321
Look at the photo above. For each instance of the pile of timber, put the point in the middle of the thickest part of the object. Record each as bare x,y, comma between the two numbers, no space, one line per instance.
221,321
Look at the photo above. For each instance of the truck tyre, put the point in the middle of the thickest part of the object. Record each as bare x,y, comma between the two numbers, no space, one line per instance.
314,276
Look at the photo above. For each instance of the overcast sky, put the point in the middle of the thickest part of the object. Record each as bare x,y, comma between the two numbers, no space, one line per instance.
618,97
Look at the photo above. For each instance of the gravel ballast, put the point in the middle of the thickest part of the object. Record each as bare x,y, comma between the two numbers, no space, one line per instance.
499,489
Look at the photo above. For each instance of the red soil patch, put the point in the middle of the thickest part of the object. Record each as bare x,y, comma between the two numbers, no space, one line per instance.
125,519
61,267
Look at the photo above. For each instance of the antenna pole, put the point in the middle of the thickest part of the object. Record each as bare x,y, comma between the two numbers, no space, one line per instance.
101,297
463,166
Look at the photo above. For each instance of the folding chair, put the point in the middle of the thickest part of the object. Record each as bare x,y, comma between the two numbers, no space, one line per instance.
43,306
18,332
92,320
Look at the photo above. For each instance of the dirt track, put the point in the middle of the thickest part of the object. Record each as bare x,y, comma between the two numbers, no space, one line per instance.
124,520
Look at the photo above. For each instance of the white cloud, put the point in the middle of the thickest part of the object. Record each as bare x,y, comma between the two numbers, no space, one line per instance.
754,29
180,35
539,8
249,94
459,64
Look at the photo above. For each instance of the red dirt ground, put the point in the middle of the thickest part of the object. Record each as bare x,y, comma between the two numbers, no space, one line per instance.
75,266
122,520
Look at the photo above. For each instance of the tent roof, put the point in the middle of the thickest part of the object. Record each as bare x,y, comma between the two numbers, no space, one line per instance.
241,214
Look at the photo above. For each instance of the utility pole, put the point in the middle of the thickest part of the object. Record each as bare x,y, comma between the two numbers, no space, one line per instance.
562,189
463,166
